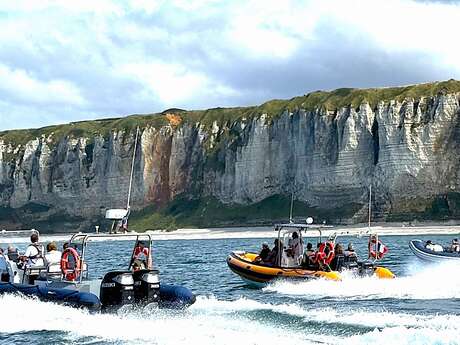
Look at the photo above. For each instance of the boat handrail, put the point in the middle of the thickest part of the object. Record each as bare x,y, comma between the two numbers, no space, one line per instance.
303,226
86,237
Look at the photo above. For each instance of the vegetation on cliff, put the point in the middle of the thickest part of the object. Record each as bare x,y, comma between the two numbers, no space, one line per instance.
327,100
225,130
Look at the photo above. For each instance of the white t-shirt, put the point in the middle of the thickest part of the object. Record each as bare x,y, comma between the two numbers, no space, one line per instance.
53,260
31,251
53,257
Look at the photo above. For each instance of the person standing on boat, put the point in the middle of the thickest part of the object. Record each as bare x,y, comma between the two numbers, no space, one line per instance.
33,257
295,245
376,248
455,246
141,257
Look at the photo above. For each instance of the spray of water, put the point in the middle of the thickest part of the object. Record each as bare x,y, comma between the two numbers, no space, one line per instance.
212,321
424,282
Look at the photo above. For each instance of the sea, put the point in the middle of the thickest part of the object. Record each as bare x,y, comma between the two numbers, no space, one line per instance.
420,306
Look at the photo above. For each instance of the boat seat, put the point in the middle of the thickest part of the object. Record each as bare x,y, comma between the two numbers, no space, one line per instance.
33,271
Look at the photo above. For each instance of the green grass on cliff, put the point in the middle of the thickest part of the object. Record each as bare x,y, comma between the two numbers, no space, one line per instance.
330,100
211,213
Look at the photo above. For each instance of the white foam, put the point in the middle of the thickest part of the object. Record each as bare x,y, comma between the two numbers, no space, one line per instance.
430,282
405,336
211,321
200,325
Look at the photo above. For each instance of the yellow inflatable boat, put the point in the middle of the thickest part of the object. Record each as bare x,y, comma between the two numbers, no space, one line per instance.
290,260
257,274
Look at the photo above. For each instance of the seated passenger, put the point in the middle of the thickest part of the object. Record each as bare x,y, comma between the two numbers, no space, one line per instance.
33,257
434,247
337,261
309,252
429,245
53,258
455,246
263,253
13,254
350,254
273,256
338,249
324,263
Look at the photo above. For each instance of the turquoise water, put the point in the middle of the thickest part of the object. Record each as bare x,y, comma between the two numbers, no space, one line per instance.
421,306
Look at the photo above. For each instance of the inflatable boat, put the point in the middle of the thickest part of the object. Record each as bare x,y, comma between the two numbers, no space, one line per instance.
257,274
291,264
419,249
139,285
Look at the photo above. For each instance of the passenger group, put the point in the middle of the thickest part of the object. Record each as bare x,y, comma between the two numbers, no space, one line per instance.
453,248
326,256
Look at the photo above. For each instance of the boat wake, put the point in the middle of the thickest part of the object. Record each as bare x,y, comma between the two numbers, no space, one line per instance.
428,282
211,321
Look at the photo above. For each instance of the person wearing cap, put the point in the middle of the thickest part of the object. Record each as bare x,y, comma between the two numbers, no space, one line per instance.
350,253
434,247
263,254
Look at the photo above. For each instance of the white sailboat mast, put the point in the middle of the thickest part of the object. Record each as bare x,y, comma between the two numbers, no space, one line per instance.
132,169
370,210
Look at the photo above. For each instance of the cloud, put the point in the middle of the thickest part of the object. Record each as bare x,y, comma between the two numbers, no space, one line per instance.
22,86
74,60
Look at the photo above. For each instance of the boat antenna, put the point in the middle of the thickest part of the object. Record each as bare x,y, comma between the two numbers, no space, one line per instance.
292,206
132,169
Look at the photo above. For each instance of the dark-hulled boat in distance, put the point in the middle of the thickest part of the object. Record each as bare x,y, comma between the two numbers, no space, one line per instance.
420,250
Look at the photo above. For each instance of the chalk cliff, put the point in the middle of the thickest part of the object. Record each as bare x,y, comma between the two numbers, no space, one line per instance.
325,147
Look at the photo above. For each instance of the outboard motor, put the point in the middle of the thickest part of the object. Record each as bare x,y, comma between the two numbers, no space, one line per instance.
117,289
146,286
366,268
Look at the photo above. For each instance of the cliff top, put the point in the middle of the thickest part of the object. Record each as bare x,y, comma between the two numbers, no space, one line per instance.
330,100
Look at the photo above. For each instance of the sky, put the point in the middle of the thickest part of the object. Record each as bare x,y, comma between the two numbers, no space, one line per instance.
63,61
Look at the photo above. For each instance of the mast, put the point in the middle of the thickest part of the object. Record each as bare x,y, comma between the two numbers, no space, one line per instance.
370,203
132,170
292,206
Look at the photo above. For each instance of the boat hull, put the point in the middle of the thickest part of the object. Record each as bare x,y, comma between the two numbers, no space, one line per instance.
258,275
171,296
67,297
418,248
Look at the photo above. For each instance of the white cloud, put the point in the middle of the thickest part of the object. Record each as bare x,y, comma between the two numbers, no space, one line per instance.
93,59
22,86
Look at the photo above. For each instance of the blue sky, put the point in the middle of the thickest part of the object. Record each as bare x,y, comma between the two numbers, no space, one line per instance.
63,61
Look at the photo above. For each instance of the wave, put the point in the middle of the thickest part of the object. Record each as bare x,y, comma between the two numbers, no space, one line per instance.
424,282
193,326
212,321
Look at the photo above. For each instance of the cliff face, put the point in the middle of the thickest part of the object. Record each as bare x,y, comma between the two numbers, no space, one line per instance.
407,148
